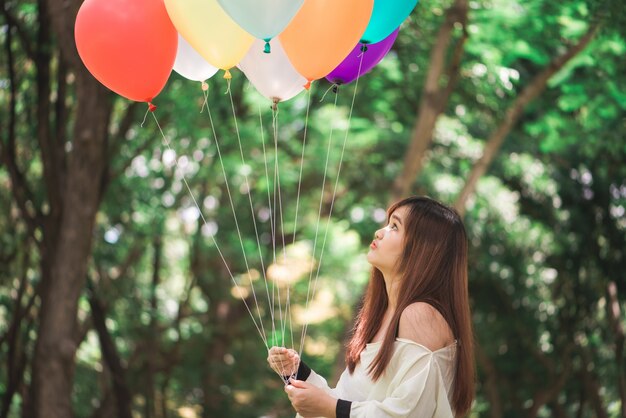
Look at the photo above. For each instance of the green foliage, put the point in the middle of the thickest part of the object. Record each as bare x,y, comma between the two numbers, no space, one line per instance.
547,225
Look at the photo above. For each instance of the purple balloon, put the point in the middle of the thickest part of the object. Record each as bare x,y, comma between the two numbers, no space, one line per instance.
348,70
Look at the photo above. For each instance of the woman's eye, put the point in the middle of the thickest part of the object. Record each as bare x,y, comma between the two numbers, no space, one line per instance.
394,226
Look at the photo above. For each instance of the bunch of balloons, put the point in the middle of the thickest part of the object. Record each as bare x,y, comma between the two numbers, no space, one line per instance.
281,46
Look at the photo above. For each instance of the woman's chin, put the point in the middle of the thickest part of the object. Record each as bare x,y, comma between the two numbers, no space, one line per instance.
371,258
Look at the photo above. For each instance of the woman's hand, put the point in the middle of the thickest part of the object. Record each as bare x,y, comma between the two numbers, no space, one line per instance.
309,400
284,361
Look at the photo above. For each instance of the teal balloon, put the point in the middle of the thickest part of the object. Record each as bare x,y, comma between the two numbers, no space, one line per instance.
263,19
386,17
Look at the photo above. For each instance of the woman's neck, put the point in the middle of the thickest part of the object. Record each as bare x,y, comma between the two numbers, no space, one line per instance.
391,283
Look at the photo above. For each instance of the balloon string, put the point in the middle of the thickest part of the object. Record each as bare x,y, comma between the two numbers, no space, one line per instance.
228,78
275,287
306,123
232,206
275,113
272,307
269,202
278,196
333,88
280,202
295,222
167,143
145,116
248,188
272,226
319,216
205,93
332,202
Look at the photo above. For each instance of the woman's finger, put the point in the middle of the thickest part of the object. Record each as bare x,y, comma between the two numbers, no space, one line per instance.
289,352
275,360
281,356
283,366
280,350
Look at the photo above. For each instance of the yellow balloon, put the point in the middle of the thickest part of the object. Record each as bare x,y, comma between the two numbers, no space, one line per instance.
210,31
323,33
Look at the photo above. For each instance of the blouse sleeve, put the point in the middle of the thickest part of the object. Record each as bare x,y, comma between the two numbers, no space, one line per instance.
305,373
417,390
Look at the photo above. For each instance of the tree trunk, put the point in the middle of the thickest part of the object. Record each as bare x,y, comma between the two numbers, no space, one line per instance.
513,113
16,353
74,199
64,277
557,410
614,315
123,397
152,356
491,382
547,395
225,319
592,386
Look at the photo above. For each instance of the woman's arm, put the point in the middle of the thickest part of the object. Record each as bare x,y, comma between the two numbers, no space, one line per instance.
287,364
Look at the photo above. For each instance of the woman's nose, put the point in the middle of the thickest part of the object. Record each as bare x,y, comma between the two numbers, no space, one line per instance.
380,233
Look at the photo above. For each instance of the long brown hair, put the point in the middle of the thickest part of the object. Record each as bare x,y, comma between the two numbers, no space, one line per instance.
433,269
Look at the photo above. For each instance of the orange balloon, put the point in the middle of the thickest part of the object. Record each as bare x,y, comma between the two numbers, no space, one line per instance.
323,33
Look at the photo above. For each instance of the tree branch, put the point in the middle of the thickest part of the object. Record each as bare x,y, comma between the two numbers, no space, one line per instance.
434,98
8,154
61,118
43,57
12,21
513,113
615,320
453,71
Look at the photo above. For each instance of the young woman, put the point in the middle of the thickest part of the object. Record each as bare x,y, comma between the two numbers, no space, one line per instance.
411,354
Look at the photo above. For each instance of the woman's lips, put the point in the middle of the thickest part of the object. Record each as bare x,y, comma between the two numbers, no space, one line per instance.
373,245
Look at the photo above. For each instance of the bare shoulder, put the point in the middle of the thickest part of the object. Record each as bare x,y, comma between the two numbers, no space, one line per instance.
422,323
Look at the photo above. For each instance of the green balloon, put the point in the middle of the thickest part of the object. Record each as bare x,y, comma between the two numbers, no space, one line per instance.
386,17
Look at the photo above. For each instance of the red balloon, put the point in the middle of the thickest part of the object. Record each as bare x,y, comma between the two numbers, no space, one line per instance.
129,46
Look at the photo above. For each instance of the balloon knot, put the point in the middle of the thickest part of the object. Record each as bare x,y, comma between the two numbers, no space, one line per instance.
363,48
275,104
335,88
205,86
268,47
227,75
307,86
151,107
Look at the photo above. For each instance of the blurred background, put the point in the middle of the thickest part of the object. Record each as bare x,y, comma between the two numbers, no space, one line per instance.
114,299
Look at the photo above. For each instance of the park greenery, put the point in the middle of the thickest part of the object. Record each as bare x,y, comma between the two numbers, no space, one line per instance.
122,267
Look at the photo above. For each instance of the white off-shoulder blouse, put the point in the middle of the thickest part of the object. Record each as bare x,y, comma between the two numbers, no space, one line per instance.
417,383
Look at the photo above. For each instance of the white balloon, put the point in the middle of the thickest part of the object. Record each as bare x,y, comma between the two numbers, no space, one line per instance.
272,74
190,63
263,19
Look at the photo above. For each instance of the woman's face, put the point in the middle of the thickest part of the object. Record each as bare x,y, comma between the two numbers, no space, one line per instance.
386,248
